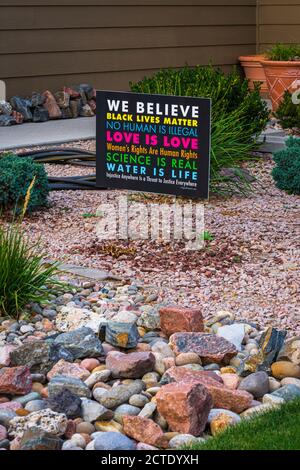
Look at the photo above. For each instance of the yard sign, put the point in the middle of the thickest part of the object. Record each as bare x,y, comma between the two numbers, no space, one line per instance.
153,143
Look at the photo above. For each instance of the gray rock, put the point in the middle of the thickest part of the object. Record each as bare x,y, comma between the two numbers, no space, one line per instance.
65,402
138,400
49,313
123,410
27,398
121,394
81,343
257,384
36,355
216,411
37,439
182,440
149,318
62,382
114,441
6,416
287,393
148,410
35,405
124,335
93,411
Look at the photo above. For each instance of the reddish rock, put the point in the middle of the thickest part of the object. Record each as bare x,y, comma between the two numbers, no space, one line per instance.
5,354
70,91
3,432
68,369
177,319
181,374
211,348
144,430
223,397
15,380
185,406
51,105
132,365
71,429
90,363
11,405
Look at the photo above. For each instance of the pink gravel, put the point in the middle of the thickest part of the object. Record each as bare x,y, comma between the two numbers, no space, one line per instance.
251,268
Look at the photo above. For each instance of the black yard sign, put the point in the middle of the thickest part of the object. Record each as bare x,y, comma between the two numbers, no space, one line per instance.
153,143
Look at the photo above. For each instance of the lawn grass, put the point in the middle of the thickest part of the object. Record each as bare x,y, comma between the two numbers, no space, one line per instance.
278,429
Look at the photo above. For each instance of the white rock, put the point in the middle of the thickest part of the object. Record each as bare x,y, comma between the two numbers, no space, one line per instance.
99,376
272,400
78,441
70,318
182,440
47,420
233,333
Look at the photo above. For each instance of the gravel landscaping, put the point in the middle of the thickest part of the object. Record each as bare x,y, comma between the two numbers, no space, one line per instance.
249,268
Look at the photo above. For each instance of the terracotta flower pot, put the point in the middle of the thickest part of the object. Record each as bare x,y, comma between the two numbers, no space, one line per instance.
254,71
281,76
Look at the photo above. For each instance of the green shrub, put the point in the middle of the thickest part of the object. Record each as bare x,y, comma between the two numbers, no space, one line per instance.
16,175
238,114
286,173
282,52
288,113
22,275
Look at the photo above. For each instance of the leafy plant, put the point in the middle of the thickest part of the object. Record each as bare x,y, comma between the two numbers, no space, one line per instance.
16,175
288,113
282,52
23,277
206,236
286,173
238,114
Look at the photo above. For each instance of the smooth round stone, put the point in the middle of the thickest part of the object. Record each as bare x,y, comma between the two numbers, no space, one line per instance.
214,412
273,384
29,397
282,369
68,445
153,390
182,440
290,381
162,348
151,378
288,392
78,441
26,329
193,366
257,384
272,400
212,367
90,364
123,410
114,441
35,405
37,387
6,416
148,410
143,446
98,393
159,366
85,428
160,420
187,358
138,400
90,446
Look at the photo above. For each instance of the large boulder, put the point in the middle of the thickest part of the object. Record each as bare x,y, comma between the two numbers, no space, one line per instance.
132,365
179,319
185,406
81,343
144,430
15,380
211,348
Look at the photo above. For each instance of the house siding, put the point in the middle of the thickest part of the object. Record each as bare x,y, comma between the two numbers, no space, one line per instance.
50,43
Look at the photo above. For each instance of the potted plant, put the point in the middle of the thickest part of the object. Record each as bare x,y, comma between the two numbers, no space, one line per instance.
254,71
282,70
